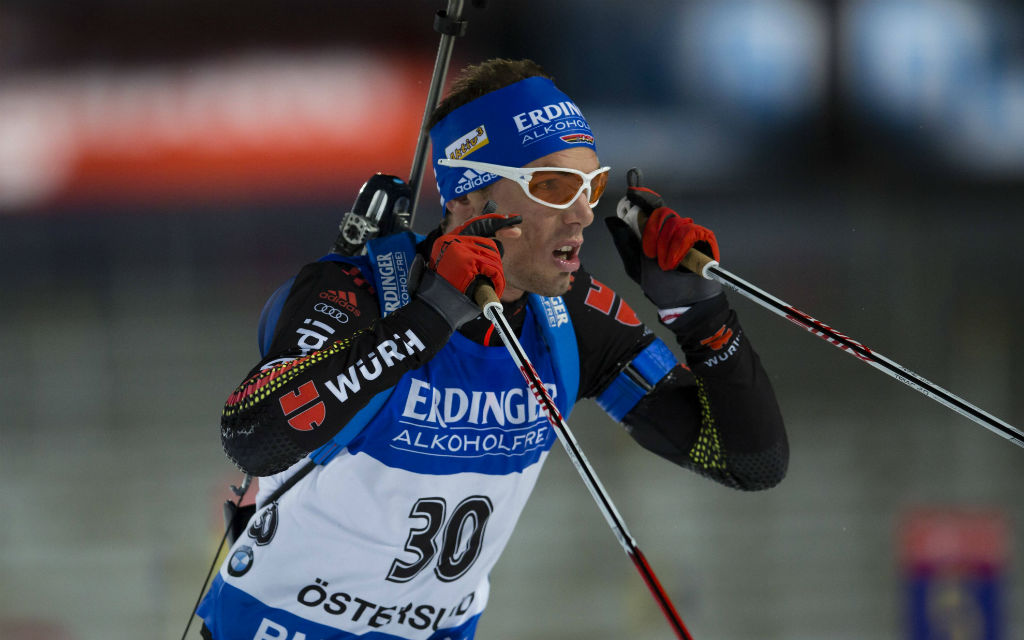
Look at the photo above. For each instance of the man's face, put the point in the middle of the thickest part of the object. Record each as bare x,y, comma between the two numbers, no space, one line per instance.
545,254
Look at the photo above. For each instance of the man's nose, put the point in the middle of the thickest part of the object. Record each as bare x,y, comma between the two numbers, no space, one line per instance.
580,212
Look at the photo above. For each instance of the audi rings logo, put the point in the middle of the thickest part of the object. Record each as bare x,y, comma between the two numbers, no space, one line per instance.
331,312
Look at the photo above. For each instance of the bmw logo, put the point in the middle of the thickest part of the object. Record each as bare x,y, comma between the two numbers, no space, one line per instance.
240,561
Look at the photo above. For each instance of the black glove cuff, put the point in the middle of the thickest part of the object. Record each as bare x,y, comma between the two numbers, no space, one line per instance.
442,297
676,288
701,320
627,244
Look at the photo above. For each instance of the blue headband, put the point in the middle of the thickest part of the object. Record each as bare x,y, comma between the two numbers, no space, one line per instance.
512,126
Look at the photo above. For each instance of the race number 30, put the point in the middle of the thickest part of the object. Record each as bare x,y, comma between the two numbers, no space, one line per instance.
461,537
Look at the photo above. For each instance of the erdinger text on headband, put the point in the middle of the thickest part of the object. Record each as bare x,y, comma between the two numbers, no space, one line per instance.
510,127
556,187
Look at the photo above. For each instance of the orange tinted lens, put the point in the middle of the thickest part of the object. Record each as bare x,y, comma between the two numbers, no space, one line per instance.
556,187
597,186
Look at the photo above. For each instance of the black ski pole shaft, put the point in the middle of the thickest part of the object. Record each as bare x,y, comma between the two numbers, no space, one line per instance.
703,265
488,301
240,492
450,24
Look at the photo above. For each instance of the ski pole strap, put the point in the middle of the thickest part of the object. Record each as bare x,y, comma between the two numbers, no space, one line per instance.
636,379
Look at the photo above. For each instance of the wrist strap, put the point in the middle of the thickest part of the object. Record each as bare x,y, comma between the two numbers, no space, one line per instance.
442,297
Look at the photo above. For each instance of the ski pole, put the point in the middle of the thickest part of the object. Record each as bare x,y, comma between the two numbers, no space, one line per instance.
240,492
701,264
449,23
488,301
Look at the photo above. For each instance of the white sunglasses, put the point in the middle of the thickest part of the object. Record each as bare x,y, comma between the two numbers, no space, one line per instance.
556,187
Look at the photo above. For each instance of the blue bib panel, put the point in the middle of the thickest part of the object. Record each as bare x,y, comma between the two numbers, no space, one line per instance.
396,535
387,261
394,532
468,409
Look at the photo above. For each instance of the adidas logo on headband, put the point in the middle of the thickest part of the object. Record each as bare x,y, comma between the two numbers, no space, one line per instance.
472,180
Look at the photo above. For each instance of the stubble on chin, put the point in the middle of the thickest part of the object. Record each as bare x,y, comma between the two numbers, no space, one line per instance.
550,287
533,278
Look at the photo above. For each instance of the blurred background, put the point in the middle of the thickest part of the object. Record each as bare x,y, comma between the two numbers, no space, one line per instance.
165,165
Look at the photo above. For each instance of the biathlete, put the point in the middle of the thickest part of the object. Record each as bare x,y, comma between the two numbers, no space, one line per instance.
381,371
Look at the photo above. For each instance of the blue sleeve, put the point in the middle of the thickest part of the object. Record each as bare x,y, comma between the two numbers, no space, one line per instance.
271,314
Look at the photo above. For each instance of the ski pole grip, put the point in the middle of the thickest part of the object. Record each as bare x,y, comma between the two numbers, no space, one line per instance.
697,262
484,295
694,260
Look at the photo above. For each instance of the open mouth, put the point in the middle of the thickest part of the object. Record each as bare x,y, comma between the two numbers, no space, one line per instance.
566,252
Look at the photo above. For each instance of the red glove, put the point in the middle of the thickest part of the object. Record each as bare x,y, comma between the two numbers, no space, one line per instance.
462,258
668,236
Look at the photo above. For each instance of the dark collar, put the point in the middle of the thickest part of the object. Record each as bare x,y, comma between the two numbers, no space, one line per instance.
480,329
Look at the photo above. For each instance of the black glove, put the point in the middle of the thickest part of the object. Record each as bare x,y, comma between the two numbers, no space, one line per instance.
652,258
